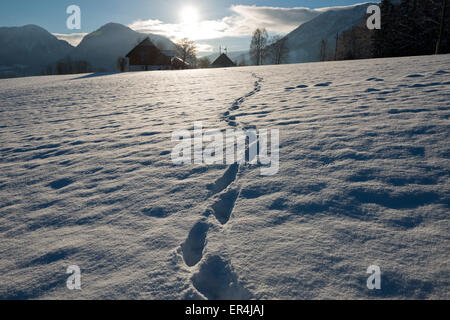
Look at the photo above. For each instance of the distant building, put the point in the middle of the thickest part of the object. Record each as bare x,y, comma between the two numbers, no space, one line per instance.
179,64
223,62
146,56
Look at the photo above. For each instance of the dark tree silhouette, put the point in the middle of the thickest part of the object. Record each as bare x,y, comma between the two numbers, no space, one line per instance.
204,63
187,50
278,49
441,30
258,46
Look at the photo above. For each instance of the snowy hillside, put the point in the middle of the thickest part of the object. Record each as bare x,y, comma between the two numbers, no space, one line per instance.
304,42
28,49
102,47
87,179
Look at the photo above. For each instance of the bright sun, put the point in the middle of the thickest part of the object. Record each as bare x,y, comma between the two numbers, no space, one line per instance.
189,15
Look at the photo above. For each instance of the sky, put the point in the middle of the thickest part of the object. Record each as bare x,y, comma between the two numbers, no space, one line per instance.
211,23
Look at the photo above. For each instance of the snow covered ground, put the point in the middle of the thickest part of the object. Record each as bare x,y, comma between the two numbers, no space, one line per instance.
87,179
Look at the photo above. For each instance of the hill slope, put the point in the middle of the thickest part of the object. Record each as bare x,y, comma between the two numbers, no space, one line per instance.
304,42
102,47
28,50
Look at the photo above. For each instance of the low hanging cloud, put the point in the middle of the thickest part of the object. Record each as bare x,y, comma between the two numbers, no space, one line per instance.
203,30
243,21
73,38
280,20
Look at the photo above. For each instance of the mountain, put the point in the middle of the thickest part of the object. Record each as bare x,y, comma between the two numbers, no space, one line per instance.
102,47
28,50
304,42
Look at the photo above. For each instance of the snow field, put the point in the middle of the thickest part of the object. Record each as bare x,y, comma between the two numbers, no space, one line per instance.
364,179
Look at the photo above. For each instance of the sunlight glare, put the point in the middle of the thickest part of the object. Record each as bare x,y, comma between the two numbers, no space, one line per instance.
189,15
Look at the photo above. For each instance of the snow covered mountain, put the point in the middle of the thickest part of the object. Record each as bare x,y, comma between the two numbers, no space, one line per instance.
102,47
304,42
28,50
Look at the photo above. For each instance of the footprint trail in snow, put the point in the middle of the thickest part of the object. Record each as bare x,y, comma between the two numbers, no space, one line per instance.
216,278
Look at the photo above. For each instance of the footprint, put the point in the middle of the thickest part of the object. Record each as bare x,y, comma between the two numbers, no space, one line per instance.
325,84
61,183
440,72
216,280
156,212
195,243
375,79
223,208
223,182
149,134
415,76
424,85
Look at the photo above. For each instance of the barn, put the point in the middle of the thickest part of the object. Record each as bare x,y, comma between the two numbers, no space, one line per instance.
146,56
223,62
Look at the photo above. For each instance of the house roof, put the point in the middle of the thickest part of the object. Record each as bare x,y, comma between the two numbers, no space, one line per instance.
223,61
144,43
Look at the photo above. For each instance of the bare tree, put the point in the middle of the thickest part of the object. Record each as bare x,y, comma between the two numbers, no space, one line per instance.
187,51
81,66
49,70
323,50
278,49
242,62
121,64
204,63
336,46
441,29
258,46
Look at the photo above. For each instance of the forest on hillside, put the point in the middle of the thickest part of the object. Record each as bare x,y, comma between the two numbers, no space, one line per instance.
409,28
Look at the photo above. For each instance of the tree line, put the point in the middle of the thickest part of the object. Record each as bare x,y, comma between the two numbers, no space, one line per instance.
68,66
265,50
409,28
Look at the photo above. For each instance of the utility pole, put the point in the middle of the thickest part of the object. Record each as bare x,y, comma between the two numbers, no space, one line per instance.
336,49
441,31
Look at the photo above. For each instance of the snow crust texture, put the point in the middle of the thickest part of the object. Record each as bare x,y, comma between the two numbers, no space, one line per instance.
87,179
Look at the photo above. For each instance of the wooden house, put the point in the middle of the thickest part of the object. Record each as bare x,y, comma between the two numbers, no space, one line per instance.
146,56
223,62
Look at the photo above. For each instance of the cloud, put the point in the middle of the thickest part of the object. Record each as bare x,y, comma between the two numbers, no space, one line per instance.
242,23
203,30
204,48
73,38
279,20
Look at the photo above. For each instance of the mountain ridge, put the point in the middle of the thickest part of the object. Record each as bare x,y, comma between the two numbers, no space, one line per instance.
28,50
304,42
